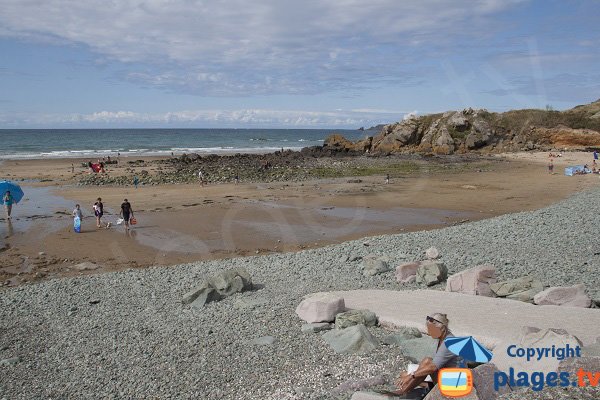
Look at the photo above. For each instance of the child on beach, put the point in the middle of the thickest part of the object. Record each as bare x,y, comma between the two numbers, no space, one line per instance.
387,179
77,214
8,201
550,167
135,181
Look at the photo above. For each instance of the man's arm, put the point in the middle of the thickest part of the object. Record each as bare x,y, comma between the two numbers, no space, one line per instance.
408,382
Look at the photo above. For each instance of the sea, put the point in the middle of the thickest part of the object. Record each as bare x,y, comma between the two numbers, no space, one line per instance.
95,143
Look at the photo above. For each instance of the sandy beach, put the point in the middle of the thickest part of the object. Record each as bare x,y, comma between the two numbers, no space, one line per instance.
188,222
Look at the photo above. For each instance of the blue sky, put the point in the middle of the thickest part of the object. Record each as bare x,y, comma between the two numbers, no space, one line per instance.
279,63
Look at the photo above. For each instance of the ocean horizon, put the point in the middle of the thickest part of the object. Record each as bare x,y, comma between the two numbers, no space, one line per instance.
94,143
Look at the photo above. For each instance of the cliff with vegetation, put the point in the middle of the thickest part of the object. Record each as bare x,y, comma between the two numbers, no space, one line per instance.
482,131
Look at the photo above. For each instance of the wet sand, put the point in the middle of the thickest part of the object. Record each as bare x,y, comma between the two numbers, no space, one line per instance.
187,222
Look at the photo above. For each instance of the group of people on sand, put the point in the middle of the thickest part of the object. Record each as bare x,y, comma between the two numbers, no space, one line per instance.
586,169
125,214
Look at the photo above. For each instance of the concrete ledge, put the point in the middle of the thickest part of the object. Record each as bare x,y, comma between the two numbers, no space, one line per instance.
491,320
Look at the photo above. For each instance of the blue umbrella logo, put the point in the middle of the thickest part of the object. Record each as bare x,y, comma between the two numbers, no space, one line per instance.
468,348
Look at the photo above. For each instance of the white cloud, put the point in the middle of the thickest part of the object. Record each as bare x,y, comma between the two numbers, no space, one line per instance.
238,47
207,118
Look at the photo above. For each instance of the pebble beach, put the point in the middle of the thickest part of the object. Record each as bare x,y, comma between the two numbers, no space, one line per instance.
127,334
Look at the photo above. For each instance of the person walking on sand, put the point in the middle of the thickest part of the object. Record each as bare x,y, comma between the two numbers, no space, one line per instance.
387,179
135,181
77,218
201,177
8,202
126,213
99,212
551,167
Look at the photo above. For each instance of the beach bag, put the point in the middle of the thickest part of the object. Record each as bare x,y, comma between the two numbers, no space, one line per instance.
120,221
133,221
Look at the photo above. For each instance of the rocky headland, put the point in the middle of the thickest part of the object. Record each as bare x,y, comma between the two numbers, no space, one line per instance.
481,131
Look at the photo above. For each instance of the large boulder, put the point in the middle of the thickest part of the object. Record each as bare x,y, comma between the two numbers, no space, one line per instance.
218,286
355,339
592,350
406,273
523,289
416,349
431,272
574,364
535,338
320,307
355,317
483,381
571,296
475,281
375,265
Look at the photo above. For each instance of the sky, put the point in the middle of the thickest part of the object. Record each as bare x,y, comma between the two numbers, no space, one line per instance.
288,64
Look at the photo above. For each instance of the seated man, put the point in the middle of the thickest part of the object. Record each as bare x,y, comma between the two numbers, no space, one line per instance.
407,383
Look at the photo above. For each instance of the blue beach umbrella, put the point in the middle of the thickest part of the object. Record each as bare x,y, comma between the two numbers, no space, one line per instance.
15,190
468,348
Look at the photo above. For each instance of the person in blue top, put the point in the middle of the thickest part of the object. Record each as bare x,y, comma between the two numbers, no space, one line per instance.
8,201
596,155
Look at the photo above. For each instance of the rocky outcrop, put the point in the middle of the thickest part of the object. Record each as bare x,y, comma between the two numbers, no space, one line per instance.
339,143
479,130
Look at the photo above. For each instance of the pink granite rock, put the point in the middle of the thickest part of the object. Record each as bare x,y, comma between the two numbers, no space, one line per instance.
320,307
474,281
569,296
406,272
